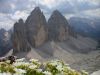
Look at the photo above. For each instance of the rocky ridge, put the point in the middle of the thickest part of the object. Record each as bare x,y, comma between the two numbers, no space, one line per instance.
32,33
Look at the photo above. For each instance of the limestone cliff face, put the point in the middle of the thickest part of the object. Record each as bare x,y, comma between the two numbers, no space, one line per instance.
58,27
36,28
36,31
20,42
32,33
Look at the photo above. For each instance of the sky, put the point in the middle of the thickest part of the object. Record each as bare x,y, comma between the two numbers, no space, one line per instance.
12,10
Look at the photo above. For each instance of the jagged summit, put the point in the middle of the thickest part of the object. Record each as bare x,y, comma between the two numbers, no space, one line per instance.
57,15
36,10
57,19
56,12
36,25
20,20
19,37
35,16
58,26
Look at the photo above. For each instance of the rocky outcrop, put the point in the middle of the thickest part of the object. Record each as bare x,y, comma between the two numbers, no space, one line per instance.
32,33
36,31
58,27
36,28
5,42
20,42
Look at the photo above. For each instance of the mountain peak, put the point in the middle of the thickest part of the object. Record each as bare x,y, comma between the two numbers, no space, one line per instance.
2,30
36,10
58,27
57,13
58,17
20,20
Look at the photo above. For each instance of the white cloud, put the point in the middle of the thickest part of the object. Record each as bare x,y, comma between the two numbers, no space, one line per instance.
86,14
96,1
93,13
51,3
19,14
48,3
12,6
68,16
12,10
5,22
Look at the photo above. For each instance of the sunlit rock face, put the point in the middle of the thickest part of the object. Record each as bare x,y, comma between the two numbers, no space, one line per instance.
58,27
20,42
36,28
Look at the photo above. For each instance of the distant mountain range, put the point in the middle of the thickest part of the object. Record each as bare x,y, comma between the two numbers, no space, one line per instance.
5,41
86,26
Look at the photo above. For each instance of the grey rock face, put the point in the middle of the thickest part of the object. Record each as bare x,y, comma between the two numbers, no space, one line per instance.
58,27
36,28
36,31
20,42
32,33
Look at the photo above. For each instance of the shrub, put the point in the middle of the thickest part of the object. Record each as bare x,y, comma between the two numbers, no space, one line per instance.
34,67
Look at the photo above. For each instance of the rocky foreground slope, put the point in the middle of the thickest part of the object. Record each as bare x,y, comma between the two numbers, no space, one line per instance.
70,52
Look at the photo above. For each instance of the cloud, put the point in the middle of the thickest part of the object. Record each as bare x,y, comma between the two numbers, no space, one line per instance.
75,6
93,13
50,3
12,10
12,6
97,1
5,22
65,6
6,6
19,14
